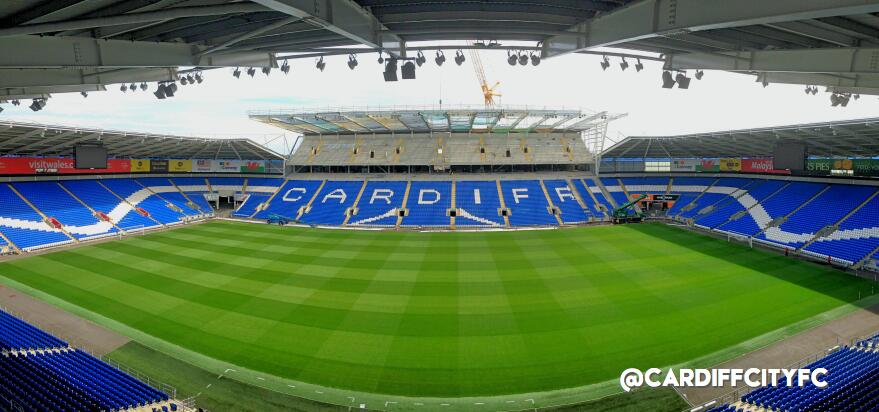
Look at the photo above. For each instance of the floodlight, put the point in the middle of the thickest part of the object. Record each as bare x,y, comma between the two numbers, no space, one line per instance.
160,91
170,89
236,73
84,94
183,81
285,68
683,81
699,74
266,70
321,65
390,73
511,58
16,102
143,86
420,59
667,80
440,58
123,88
132,87
535,59
407,71
834,100
352,61
459,57
198,78
639,66
605,63
624,64
38,104
251,71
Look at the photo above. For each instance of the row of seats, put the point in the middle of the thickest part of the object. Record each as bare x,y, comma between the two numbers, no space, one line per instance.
88,209
39,372
429,203
19,335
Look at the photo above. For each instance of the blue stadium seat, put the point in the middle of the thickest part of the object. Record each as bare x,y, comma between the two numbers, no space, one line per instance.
379,204
39,372
24,226
331,202
565,198
292,195
428,204
527,203
477,204
51,199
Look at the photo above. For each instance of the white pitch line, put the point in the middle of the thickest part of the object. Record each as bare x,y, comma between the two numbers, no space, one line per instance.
260,378
209,385
291,386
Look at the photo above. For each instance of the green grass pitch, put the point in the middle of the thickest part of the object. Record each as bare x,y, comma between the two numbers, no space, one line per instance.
440,314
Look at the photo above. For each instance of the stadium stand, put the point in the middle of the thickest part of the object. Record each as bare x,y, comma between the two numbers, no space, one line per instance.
380,203
826,221
527,203
825,210
855,238
289,198
565,198
428,204
18,335
851,386
39,372
232,184
477,204
329,207
250,204
24,226
587,197
51,199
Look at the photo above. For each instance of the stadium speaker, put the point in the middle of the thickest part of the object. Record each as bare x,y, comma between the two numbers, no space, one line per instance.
407,71
391,70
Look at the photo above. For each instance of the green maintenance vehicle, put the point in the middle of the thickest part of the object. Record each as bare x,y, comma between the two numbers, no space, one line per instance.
627,213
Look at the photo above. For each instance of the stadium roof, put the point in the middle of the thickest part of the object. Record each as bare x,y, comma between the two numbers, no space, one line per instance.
84,45
27,139
462,119
852,138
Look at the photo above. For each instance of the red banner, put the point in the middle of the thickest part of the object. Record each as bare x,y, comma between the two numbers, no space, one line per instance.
56,165
761,166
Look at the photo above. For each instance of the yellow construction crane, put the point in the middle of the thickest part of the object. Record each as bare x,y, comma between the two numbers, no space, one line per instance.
488,93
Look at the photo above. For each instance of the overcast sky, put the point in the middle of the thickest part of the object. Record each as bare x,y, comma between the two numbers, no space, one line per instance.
218,107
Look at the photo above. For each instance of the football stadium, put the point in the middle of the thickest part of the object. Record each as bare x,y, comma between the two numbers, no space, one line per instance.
437,257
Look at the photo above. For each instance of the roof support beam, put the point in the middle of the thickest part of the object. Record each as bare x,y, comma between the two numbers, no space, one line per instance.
132,18
20,93
832,60
250,34
860,83
78,52
343,17
41,142
656,18
17,78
